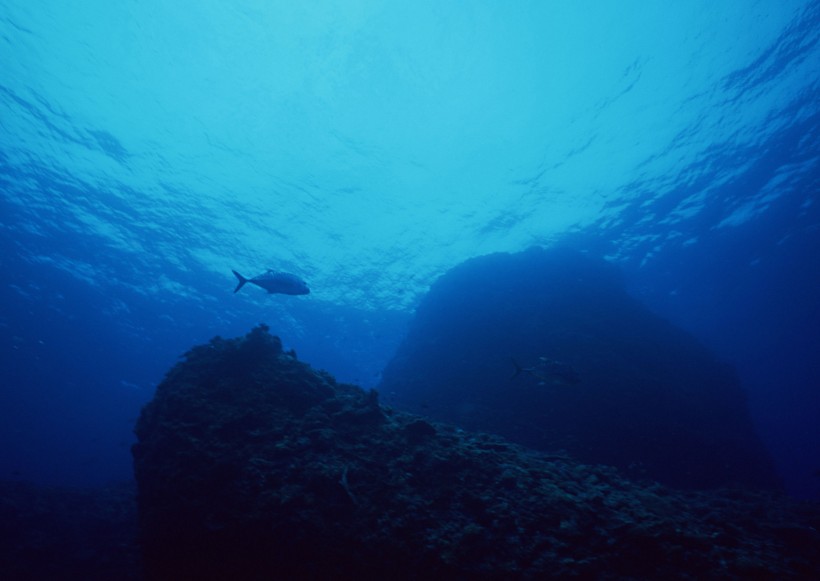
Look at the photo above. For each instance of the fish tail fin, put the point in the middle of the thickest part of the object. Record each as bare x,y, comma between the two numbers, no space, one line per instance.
242,281
517,371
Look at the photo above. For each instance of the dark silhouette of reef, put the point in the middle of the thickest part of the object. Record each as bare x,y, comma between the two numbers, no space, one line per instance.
252,465
642,395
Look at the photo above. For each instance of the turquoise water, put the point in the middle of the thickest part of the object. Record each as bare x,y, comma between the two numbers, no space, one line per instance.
148,148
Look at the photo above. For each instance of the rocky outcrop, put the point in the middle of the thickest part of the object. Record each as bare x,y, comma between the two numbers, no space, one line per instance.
603,379
252,465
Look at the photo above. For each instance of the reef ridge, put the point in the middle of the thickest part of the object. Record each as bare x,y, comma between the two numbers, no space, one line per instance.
252,465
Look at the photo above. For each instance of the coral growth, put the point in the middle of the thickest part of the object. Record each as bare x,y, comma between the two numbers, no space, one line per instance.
252,465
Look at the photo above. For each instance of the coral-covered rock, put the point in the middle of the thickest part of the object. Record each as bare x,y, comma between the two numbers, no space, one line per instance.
547,349
251,465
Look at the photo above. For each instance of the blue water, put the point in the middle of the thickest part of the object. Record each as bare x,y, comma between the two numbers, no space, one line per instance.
148,148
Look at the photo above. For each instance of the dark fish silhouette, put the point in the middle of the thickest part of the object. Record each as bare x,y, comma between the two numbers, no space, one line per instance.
275,282
549,371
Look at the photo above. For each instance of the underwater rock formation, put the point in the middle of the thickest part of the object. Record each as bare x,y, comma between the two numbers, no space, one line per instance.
632,390
252,465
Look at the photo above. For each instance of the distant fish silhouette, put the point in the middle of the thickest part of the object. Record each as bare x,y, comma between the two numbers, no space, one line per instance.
549,371
275,282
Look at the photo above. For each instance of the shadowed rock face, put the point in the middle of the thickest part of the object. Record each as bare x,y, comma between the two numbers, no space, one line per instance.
251,465
650,399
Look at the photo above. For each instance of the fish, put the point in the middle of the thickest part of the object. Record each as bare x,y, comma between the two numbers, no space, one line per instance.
549,371
275,283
